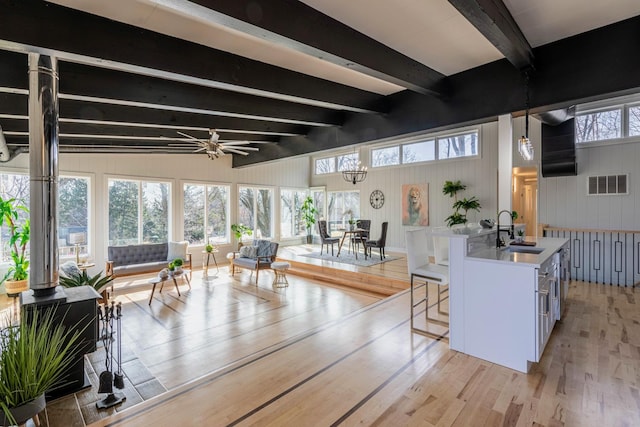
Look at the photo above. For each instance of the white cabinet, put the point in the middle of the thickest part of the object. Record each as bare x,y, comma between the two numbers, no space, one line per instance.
547,303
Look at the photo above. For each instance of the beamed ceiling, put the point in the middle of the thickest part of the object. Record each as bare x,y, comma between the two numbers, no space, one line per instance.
296,77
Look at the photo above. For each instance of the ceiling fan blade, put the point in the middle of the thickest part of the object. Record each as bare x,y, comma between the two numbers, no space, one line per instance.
227,147
236,143
199,150
192,137
231,150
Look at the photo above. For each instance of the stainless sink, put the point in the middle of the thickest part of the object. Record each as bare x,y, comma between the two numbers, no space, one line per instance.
524,249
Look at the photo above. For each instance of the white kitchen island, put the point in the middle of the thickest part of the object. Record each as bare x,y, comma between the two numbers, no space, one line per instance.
503,304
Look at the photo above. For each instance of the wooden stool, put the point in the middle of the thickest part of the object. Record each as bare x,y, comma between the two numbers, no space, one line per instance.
280,277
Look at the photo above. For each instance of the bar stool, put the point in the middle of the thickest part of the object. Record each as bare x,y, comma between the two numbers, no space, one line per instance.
420,268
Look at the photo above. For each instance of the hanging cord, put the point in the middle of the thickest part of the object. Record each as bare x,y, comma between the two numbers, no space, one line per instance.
526,104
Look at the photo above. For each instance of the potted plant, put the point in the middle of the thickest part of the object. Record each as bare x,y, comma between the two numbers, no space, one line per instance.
34,356
208,248
97,282
451,188
240,230
177,265
309,216
520,236
16,279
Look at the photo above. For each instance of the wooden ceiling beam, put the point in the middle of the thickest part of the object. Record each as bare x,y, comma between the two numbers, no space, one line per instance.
88,81
36,23
496,24
304,29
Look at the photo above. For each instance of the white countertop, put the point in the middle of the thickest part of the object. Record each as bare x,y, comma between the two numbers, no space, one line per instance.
550,244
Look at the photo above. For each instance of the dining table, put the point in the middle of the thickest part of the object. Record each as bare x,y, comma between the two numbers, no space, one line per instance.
351,232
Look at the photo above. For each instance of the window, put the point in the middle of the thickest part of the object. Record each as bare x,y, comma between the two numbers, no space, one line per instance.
291,222
327,165
202,201
599,126
73,214
335,164
254,210
465,144
342,205
387,156
347,161
422,151
73,209
138,212
458,146
634,121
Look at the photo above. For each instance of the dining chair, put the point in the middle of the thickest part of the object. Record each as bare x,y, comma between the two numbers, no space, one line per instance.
379,243
363,236
325,237
421,269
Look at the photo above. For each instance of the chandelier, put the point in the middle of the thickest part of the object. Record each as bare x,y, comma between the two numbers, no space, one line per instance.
354,172
524,145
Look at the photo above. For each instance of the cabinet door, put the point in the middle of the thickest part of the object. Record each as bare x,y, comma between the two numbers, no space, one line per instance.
544,323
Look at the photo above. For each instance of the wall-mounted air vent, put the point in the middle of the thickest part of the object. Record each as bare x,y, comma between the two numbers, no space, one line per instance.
607,184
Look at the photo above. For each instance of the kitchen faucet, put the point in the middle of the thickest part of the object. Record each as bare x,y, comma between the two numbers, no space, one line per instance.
499,241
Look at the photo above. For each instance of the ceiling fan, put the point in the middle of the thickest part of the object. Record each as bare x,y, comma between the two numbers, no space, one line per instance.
215,149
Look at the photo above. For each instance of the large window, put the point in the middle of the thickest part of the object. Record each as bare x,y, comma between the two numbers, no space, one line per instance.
206,213
73,210
138,211
342,205
291,222
255,207
451,146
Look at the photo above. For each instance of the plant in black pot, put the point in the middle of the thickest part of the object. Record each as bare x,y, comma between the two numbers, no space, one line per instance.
34,356
81,278
309,213
14,215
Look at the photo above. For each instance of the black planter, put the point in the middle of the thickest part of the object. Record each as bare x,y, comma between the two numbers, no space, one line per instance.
309,239
25,412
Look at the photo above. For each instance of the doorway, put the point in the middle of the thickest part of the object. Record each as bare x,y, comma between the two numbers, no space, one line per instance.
525,198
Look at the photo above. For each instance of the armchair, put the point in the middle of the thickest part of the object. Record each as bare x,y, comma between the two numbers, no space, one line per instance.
255,258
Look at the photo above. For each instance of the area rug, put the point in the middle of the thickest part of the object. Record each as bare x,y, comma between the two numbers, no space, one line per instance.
349,258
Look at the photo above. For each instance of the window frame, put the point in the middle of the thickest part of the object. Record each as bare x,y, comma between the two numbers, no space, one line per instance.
254,226
336,162
625,103
205,226
89,245
140,180
305,192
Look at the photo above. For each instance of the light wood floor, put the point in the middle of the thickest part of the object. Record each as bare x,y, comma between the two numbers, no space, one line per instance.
231,353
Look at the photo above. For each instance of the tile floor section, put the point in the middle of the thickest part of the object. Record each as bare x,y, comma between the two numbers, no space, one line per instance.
79,409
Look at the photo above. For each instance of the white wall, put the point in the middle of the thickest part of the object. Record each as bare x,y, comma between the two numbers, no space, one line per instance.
564,201
479,174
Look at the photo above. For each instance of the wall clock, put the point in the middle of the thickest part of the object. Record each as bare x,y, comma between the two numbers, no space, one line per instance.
376,199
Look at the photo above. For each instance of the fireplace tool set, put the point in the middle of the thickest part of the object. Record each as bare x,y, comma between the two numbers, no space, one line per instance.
108,314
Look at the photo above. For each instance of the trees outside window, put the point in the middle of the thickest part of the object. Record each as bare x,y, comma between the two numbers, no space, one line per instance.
291,221
386,156
341,206
634,121
462,145
138,212
210,202
73,208
599,126
255,207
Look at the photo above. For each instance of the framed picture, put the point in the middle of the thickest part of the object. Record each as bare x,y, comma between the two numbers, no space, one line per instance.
415,204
